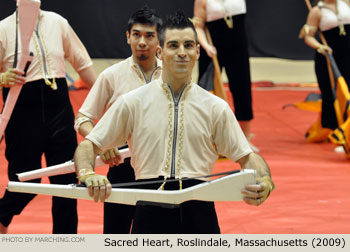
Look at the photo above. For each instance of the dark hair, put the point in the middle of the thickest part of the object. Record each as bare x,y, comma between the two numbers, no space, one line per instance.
145,16
178,20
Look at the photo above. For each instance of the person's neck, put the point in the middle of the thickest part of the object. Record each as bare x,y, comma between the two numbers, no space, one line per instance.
146,66
176,84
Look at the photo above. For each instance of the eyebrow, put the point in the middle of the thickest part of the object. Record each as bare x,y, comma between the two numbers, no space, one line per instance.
176,41
148,32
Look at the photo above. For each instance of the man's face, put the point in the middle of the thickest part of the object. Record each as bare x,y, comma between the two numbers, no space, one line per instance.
143,41
180,52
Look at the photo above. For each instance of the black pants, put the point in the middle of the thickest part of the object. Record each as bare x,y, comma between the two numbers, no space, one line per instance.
118,217
41,123
341,53
232,49
191,217
328,118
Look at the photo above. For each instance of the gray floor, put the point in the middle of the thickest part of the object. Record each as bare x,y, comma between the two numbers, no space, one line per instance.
262,69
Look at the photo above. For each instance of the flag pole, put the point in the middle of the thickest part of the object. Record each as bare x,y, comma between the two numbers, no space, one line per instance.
219,89
336,104
324,41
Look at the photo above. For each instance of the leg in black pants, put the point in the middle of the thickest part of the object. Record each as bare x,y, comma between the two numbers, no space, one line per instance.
193,214
23,153
232,48
329,118
59,148
42,122
118,217
60,144
234,57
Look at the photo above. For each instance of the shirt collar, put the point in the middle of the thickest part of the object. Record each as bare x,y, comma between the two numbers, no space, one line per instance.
133,63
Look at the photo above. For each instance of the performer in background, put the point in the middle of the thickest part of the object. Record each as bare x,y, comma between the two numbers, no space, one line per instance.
332,17
42,121
225,20
133,72
175,129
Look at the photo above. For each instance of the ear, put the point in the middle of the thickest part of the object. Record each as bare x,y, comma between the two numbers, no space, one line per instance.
128,37
198,51
159,52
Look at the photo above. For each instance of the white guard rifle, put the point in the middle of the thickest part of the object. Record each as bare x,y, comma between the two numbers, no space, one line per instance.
227,188
67,167
28,11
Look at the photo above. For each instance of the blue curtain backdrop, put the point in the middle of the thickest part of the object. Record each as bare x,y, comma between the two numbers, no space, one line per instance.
272,25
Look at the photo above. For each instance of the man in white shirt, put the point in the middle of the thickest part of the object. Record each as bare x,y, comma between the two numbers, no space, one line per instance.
133,72
175,129
42,120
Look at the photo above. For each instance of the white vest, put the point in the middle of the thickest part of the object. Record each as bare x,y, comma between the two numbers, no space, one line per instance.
218,9
330,20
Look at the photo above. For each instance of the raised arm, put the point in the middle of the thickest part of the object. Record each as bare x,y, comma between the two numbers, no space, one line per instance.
310,29
199,23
